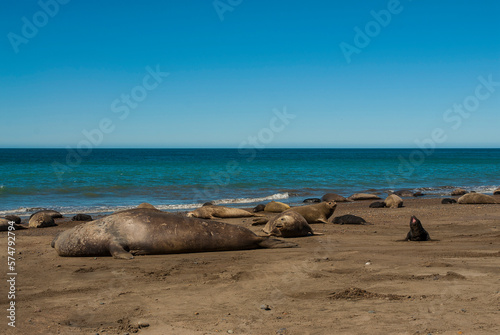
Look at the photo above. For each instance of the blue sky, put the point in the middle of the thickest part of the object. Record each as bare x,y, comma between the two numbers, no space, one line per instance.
225,77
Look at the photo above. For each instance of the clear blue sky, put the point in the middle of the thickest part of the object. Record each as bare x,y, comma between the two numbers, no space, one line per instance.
226,76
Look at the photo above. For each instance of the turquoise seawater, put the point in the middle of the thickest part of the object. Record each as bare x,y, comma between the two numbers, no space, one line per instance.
104,180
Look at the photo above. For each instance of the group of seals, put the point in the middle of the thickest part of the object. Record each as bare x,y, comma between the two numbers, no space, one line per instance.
146,232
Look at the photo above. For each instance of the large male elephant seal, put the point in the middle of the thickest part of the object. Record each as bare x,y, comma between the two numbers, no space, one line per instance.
213,211
417,231
148,232
476,198
317,213
288,224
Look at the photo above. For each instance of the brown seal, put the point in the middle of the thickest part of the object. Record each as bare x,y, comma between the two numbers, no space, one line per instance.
52,213
213,211
333,197
146,205
288,224
476,198
393,201
363,196
317,213
5,224
276,207
41,220
149,232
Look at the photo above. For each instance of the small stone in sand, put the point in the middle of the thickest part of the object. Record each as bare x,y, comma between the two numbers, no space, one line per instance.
265,307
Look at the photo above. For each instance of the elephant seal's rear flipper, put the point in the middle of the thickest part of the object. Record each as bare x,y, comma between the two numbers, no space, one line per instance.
117,251
273,243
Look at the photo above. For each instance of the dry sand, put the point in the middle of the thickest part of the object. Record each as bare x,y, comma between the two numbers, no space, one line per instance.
352,280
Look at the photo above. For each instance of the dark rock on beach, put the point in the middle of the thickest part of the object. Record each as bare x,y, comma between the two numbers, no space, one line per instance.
259,208
311,200
15,218
348,219
377,204
82,217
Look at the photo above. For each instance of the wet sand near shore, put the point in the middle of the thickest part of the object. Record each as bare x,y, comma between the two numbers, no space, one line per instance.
354,279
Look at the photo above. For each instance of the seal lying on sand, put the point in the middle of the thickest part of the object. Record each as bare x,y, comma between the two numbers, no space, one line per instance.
52,213
349,219
213,211
417,232
148,232
288,224
4,225
317,213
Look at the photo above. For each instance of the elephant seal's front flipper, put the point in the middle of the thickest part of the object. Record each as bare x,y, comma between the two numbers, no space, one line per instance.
273,243
117,251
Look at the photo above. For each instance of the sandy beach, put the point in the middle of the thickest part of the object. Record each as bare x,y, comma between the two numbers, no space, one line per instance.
354,279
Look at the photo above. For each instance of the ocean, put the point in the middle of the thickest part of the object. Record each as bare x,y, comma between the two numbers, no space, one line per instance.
106,180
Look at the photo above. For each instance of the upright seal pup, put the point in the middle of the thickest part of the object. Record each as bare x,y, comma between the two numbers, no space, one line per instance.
317,213
417,232
288,224
148,232
213,211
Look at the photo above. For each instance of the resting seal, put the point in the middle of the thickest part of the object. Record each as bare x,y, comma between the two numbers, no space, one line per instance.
41,220
446,201
149,232
81,217
276,207
4,225
417,232
349,219
393,201
363,196
212,211
476,198
317,213
288,224
333,197
52,213
377,204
